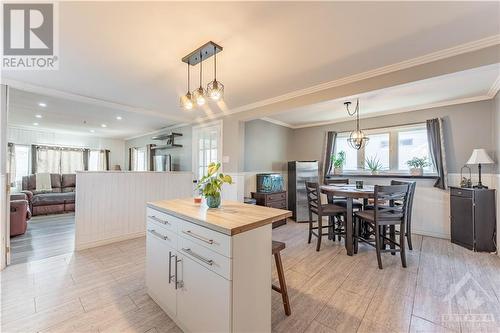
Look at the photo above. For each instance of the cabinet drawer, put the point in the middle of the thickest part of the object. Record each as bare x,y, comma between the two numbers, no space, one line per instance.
213,261
213,240
167,221
460,193
275,197
277,204
161,233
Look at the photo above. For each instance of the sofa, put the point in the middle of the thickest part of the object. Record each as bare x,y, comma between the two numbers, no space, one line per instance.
19,214
60,200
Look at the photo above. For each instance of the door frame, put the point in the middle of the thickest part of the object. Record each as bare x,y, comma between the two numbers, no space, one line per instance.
4,180
194,149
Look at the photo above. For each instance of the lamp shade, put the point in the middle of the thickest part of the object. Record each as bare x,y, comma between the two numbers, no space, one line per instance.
480,156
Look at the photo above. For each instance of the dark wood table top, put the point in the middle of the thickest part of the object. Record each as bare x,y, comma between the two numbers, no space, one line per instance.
349,191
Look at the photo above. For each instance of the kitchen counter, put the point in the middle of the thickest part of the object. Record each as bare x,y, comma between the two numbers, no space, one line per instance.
210,269
231,218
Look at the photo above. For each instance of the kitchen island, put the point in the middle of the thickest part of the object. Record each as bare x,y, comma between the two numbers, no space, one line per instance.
210,269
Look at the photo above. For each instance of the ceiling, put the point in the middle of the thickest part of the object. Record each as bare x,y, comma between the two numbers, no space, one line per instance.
64,115
469,85
129,53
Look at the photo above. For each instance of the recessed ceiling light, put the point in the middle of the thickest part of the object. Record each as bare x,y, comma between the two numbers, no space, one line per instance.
42,104
38,116
36,124
104,125
119,118
92,131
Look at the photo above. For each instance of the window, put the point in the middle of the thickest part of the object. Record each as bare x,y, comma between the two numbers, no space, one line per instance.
351,162
412,143
22,164
97,160
378,148
59,159
206,147
392,146
140,159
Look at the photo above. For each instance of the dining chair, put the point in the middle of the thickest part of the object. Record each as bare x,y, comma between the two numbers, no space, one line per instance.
335,225
382,216
409,210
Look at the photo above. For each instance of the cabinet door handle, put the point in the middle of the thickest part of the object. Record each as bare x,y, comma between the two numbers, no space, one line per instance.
170,276
176,280
192,234
197,256
157,234
154,218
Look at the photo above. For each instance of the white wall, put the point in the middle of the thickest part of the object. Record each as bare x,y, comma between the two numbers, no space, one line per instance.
28,136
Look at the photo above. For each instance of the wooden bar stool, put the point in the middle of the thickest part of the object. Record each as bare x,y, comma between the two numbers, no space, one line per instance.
277,247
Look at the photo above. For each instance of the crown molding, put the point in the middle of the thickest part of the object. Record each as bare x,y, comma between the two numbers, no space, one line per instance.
277,122
428,58
89,100
400,110
494,88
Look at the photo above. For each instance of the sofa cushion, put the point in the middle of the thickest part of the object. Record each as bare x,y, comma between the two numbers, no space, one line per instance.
53,199
55,180
68,180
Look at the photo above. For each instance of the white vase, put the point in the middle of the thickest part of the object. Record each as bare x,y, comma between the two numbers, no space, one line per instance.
416,171
337,171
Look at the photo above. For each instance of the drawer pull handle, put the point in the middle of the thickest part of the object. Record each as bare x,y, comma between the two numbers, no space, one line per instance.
154,218
197,256
192,234
157,234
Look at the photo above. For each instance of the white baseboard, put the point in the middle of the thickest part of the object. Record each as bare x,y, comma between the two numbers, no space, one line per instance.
83,246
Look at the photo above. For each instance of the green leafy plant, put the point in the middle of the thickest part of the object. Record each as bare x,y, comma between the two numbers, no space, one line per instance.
374,163
418,163
338,160
210,185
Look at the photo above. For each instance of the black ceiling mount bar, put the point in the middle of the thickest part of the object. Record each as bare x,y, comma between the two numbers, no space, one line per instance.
207,50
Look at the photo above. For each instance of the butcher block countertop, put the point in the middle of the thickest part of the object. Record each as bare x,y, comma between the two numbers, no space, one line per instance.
230,218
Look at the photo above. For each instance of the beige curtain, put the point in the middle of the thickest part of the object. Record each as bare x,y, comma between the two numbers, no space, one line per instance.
48,159
71,161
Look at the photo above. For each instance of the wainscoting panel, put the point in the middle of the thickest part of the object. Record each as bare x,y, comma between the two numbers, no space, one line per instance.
111,206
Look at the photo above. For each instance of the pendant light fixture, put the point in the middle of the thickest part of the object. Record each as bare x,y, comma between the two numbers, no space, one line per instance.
215,89
358,138
187,100
200,93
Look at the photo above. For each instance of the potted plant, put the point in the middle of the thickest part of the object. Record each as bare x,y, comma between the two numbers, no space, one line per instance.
210,185
374,164
338,162
417,165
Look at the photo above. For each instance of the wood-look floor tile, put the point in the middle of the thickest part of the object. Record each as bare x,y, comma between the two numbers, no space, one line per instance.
317,327
419,325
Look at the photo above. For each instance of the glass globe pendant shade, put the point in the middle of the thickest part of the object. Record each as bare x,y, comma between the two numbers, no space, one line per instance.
215,90
358,139
200,96
187,101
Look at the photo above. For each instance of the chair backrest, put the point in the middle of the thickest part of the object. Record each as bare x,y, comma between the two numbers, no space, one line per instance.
333,181
313,197
411,194
391,193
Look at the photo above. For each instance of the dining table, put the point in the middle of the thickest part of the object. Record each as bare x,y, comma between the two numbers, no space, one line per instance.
349,192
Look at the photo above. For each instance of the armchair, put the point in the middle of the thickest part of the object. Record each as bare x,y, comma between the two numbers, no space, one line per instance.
19,214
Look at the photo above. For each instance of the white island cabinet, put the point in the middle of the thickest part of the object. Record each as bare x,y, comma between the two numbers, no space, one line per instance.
210,269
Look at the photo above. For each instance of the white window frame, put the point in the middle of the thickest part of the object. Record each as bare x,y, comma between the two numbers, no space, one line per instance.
393,149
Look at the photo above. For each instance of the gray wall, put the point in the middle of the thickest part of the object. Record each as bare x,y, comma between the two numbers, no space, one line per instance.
266,146
181,157
466,126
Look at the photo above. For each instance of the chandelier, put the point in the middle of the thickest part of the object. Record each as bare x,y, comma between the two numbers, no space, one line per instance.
214,90
358,138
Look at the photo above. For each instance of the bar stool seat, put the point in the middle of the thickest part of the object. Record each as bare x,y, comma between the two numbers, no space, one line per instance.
276,249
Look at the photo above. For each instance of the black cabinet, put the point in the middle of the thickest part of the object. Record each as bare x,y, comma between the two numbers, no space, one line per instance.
473,218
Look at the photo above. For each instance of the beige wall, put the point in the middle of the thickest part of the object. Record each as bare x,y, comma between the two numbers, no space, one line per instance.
266,146
496,130
466,126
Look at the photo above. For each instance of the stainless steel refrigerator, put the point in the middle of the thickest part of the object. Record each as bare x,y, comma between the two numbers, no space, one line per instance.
298,173
163,163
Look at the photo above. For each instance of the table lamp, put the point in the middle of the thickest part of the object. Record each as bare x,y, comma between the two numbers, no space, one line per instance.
479,156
